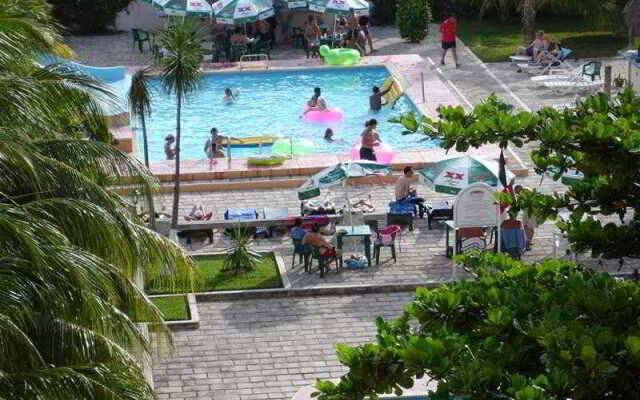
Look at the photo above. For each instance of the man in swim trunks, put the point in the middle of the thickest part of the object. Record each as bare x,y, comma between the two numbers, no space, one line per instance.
312,35
364,25
317,102
375,100
370,140
315,239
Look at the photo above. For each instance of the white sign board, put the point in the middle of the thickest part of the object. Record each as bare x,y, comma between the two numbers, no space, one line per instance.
476,206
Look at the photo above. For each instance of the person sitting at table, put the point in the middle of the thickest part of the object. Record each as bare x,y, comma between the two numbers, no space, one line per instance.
297,232
238,37
316,240
529,221
317,102
312,35
404,191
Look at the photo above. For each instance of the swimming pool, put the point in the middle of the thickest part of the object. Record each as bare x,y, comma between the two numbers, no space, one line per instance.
270,103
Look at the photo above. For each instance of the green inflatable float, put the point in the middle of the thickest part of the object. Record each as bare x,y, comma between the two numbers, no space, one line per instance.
339,56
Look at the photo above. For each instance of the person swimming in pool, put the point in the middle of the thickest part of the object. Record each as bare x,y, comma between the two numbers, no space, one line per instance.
375,100
229,96
317,102
328,135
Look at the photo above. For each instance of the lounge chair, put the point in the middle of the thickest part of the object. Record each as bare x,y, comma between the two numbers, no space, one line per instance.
589,70
543,68
579,84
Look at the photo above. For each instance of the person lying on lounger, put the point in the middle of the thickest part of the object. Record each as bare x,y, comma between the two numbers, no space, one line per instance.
198,213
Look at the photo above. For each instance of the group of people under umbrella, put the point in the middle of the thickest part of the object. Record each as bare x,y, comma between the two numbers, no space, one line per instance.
243,12
449,176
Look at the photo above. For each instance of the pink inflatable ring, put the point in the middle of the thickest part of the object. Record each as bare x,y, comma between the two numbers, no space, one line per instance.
383,152
324,117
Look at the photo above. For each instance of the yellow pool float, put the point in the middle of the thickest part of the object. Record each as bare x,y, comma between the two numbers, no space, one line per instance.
262,160
396,90
253,141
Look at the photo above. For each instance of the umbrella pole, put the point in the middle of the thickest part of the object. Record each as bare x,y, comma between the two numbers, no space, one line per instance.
346,193
333,34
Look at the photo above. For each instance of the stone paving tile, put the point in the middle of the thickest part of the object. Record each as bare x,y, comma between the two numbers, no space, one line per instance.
268,348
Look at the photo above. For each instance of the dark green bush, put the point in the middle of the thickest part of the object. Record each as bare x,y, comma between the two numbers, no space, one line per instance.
384,12
412,19
87,16
520,332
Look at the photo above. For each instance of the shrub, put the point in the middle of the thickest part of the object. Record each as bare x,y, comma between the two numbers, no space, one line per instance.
384,12
88,16
239,257
413,18
541,332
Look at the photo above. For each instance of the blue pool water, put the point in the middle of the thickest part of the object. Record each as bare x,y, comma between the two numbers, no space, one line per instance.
270,103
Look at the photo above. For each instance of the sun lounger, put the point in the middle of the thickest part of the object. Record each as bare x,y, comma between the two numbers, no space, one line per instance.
577,84
543,68
587,71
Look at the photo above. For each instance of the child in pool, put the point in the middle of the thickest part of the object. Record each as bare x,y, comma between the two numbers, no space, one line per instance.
328,135
229,96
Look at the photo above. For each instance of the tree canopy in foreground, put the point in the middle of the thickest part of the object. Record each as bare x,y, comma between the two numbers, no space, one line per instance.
70,248
525,332
600,138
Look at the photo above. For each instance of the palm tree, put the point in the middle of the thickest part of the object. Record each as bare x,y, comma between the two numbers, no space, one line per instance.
180,76
140,105
70,248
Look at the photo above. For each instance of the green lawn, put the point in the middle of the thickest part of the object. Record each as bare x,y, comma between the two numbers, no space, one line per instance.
212,277
173,308
493,41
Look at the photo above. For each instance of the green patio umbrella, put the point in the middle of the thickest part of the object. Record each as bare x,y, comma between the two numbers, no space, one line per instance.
233,12
183,8
339,174
294,4
454,174
571,177
340,7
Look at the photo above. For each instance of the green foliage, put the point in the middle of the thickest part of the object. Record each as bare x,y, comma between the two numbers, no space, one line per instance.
599,138
71,250
539,332
239,257
384,12
213,277
173,308
495,41
88,16
180,74
412,19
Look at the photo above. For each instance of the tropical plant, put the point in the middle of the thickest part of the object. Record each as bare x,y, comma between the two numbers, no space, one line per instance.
71,251
412,19
239,257
140,105
525,332
180,72
384,12
88,16
599,138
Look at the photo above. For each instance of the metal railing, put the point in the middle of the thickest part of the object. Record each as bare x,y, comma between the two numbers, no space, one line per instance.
254,61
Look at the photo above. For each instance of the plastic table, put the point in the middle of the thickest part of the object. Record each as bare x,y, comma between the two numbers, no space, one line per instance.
355,231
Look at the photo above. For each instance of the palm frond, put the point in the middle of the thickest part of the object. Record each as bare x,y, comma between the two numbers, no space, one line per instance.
184,53
139,95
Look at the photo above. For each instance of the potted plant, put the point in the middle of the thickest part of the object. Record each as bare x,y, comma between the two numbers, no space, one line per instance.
619,81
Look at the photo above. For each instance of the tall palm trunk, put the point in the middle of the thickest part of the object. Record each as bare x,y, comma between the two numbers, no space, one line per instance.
176,184
152,209
528,20
144,141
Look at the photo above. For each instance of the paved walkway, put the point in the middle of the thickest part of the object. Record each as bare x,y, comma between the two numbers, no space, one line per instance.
268,348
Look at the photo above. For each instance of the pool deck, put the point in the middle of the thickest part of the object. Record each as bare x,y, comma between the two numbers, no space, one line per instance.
411,69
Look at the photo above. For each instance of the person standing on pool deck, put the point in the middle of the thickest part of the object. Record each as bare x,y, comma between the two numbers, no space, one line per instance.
370,140
366,29
375,100
317,102
169,149
448,29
